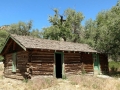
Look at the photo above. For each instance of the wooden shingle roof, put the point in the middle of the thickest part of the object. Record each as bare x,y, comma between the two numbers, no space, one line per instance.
37,43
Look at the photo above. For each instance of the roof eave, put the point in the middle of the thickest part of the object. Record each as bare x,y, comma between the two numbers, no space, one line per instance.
22,46
9,36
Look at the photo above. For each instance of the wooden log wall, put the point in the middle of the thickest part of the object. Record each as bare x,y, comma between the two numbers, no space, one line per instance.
21,60
41,62
8,64
72,63
104,63
87,61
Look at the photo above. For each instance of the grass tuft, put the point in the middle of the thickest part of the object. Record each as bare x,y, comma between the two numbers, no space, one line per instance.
42,82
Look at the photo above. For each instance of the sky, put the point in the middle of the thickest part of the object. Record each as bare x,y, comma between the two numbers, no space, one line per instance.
13,11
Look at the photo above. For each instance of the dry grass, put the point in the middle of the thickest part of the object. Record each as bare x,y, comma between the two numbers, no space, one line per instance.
35,84
95,83
71,83
41,83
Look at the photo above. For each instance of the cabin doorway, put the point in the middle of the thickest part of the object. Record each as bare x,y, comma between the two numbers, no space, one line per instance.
58,65
96,64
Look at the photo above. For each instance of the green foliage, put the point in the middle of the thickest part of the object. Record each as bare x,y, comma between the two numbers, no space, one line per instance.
36,33
103,33
114,64
69,29
114,68
3,36
108,25
90,32
64,77
25,80
1,58
21,28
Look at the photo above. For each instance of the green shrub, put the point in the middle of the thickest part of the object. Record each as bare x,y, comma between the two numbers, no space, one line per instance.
1,58
25,80
114,65
64,77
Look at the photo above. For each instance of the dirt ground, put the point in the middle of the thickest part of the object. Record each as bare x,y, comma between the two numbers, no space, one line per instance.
79,82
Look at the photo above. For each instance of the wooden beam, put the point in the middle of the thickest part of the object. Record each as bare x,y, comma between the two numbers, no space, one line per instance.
7,47
68,51
14,45
18,43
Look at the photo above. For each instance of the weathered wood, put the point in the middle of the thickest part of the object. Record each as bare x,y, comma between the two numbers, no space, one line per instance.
41,62
42,73
22,59
7,46
14,45
104,63
14,77
72,62
87,62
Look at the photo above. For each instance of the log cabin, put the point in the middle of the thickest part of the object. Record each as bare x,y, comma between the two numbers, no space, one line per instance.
25,57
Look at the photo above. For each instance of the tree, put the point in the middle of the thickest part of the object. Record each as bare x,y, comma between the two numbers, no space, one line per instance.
90,32
21,28
69,29
105,31
3,36
36,33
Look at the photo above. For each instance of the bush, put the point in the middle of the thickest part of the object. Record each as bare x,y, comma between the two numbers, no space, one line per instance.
114,65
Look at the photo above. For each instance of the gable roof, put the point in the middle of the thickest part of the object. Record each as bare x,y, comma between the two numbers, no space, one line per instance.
27,42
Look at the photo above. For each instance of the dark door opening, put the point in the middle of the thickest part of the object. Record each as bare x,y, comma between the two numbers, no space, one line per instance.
58,64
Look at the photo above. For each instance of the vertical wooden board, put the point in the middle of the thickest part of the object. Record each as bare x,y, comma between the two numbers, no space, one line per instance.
14,62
